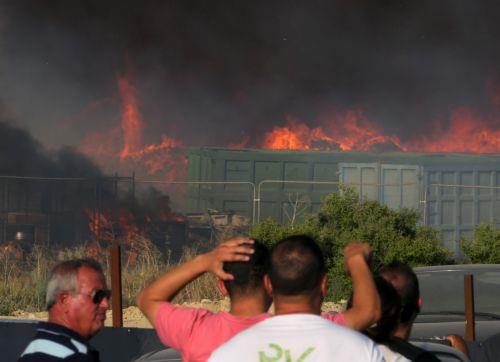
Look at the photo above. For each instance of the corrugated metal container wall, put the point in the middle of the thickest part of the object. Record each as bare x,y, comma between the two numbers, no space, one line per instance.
258,168
394,179
397,186
452,199
458,198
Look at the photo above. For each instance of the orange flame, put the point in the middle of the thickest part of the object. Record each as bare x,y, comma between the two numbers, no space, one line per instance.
122,149
351,131
295,136
354,132
465,133
131,121
156,157
347,132
100,226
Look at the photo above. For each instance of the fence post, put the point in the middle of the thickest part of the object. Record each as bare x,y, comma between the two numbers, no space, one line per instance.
470,332
116,285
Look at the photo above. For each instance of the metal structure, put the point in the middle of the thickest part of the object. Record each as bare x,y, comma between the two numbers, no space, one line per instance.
453,192
55,210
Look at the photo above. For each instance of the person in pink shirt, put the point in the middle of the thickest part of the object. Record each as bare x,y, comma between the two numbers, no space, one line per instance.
240,265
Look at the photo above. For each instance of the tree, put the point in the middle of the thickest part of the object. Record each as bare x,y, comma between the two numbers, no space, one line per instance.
484,248
393,235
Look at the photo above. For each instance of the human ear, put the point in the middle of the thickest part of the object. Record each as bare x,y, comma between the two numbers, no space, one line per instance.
222,287
63,299
324,287
267,285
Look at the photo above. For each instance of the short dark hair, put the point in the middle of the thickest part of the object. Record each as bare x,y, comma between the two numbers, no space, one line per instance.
391,311
248,275
297,266
405,281
63,277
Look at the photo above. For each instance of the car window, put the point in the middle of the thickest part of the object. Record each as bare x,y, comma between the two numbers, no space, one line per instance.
444,291
441,291
487,292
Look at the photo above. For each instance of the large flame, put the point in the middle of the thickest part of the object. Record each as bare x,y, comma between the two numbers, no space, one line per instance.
131,122
352,131
122,148
465,132
296,136
156,157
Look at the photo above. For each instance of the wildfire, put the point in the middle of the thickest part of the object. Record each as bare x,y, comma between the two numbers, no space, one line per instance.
100,226
347,132
131,122
156,157
466,132
122,148
296,136
351,131
128,229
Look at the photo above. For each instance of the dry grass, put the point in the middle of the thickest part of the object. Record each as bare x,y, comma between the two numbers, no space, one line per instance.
23,278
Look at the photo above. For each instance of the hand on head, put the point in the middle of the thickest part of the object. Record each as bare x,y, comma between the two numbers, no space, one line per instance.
236,249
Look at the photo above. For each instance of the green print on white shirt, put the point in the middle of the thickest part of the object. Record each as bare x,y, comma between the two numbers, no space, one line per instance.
278,353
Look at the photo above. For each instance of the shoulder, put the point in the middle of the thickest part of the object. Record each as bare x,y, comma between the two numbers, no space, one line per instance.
169,311
297,334
54,343
168,308
47,350
334,317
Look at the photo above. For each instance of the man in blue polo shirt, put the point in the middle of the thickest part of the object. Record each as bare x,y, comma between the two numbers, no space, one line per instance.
77,300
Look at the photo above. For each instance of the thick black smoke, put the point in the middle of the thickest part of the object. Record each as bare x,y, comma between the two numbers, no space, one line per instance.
202,67
22,155
70,204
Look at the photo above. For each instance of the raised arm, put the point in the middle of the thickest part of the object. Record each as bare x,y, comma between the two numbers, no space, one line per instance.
365,308
165,288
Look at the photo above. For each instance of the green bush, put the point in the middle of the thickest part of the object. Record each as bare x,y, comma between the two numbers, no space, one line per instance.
393,235
484,248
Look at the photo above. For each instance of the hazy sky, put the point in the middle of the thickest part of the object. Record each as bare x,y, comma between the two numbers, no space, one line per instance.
241,66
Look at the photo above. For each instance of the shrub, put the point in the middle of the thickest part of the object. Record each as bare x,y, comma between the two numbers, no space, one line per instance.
393,235
484,248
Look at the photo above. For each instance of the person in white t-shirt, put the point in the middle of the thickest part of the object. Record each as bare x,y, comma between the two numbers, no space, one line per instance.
297,282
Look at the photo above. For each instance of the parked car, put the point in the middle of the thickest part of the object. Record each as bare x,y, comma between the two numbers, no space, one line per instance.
442,291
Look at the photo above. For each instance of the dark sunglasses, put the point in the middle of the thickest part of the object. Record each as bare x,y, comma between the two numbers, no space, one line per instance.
98,295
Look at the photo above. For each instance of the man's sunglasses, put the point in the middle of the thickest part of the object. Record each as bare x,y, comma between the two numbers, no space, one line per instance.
98,295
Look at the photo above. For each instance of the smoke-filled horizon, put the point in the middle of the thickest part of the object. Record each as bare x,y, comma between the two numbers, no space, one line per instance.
232,73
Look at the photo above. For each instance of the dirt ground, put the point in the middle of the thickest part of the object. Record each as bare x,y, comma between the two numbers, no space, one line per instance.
132,316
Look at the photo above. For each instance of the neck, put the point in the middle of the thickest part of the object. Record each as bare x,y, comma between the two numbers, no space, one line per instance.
296,304
60,318
403,331
248,306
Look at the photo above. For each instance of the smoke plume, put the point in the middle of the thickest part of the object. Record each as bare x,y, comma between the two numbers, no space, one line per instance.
216,73
22,155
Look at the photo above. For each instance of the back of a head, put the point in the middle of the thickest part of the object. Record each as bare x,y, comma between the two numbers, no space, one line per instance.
391,310
248,275
64,277
297,266
405,281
